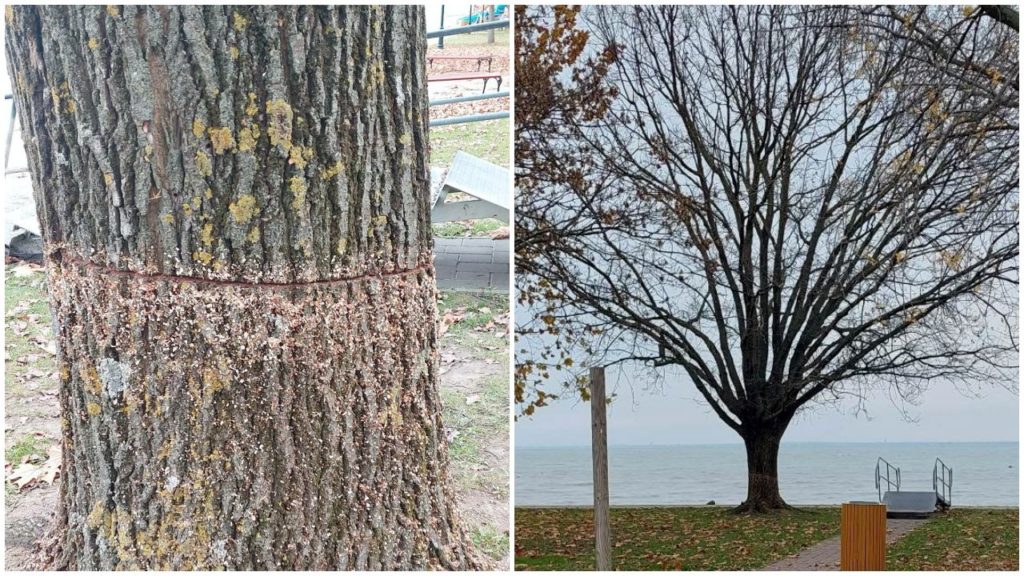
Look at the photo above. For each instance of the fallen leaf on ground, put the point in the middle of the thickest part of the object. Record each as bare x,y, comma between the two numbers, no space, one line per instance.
30,474
500,233
450,317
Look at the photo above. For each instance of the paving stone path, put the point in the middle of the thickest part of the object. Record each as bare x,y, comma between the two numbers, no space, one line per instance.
825,554
472,264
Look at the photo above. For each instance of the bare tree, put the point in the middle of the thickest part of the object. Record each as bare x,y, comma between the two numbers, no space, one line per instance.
949,40
791,207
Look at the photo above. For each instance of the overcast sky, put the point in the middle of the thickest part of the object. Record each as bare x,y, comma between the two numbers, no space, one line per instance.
675,415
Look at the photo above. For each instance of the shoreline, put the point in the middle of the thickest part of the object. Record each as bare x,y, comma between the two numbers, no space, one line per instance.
710,507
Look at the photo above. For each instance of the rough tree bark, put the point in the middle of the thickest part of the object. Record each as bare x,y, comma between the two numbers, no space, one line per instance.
762,443
234,204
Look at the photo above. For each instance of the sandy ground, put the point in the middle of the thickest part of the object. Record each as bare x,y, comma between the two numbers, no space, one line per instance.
474,388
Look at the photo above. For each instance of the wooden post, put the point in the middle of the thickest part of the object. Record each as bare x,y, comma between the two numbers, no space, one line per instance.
862,536
599,442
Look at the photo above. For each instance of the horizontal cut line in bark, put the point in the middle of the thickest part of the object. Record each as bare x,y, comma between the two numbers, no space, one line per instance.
212,282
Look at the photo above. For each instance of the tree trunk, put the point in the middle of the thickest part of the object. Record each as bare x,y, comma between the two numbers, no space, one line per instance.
235,210
763,494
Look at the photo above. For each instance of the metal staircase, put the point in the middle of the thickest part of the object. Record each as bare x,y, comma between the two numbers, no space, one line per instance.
906,504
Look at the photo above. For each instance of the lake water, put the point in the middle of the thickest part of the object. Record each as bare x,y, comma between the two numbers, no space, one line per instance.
984,474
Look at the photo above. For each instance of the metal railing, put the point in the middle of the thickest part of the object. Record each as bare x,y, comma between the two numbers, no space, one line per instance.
942,481
471,117
887,476
470,98
468,29
467,119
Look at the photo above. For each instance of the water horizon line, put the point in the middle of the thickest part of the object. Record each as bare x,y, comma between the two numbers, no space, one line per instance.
784,443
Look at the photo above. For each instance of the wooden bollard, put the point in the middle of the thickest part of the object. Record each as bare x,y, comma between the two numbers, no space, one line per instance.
862,539
599,443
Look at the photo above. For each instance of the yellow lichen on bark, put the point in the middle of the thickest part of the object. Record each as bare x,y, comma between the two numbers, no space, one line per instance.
95,518
203,163
221,139
90,380
202,256
247,137
297,185
332,170
93,43
243,210
239,22
279,123
206,234
251,108
198,128
295,157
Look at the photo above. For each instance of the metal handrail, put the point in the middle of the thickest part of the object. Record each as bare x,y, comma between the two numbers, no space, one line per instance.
470,118
470,98
942,474
468,29
889,469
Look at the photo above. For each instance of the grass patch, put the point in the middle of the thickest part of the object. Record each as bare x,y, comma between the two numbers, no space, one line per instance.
25,446
477,418
682,538
488,140
480,309
25,302
490,541
467,228
962,539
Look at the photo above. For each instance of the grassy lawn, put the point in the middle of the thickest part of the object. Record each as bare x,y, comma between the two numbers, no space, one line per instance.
963,539
683,538
488,140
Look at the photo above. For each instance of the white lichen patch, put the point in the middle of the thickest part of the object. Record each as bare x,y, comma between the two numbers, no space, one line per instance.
114,375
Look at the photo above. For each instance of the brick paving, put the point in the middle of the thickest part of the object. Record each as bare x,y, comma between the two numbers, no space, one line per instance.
825,554
472,264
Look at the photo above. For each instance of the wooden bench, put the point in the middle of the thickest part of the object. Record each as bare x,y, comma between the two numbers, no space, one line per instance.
479,60
456,76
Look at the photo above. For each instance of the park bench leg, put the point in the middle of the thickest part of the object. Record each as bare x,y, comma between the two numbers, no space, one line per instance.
499,84
484,91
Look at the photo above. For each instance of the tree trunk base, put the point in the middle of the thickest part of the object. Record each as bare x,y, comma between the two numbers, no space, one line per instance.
761,507
227,425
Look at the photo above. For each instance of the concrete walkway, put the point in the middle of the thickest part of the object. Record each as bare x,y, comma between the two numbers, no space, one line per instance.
825,555
472,264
